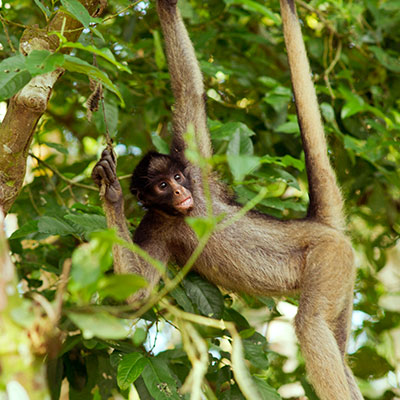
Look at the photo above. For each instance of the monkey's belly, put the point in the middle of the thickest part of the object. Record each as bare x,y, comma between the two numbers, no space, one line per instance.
245,262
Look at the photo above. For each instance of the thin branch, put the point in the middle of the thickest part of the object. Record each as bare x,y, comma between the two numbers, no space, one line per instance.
122,11
7,35
61,290
61,176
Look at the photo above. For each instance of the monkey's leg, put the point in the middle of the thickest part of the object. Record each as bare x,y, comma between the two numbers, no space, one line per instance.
326,282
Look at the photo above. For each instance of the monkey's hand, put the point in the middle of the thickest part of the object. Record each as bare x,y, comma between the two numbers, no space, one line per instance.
104,175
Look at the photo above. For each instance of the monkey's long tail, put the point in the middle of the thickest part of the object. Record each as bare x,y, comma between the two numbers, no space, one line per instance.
326,203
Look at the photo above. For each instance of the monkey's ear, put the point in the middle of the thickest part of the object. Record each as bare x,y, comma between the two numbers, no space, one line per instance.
138,195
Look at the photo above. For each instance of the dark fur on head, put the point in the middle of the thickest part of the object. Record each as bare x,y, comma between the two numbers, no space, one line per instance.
152,167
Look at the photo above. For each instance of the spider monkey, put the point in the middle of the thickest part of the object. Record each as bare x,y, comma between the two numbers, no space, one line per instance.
259,254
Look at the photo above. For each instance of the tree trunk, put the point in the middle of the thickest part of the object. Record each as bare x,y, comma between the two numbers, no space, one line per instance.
28,105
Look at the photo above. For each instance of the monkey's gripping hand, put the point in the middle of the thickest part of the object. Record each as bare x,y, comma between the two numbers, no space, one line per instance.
104,174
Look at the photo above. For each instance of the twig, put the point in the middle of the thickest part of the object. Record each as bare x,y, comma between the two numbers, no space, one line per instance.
7,35
330,68
60,175
61,290
34,205
121,11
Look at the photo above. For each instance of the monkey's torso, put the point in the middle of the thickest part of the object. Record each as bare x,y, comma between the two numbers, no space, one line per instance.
261,254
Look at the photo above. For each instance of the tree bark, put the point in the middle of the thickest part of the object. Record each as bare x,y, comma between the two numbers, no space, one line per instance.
28,105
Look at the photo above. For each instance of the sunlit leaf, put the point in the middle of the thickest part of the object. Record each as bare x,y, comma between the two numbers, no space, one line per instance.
120,287
13,76
104,53
241,165
99,324
42,61
158,50
256,7
76,64
79,12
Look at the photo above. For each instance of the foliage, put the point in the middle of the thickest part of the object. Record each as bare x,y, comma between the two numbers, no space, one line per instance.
353,50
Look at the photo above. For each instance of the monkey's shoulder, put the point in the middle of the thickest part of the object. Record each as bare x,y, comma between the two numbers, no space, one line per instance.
159,227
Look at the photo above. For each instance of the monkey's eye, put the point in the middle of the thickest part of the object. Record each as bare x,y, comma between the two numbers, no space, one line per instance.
163,185
177,177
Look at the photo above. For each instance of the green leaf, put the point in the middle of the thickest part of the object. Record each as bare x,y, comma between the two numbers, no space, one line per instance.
266,391
205,296
42,61
389,62
158,380
158,50
288,127
85,224
354,103
255,350
120,287
139,336
79,12
23,314
241,373
75,64
25,230
13,76
54,226
130,368
241,165
278,98
159,143
253,6
59,147
182,299
43,8
88,262
328,112
99,324
229,130
368,364
104,53
285,161
240,144
201,225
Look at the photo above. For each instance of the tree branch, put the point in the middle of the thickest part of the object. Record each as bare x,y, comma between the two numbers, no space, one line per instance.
27,106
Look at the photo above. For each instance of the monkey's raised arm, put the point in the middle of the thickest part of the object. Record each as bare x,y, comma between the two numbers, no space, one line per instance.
186,80
125,261
326,204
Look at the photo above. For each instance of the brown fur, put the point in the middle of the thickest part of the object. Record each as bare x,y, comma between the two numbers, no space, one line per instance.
258,254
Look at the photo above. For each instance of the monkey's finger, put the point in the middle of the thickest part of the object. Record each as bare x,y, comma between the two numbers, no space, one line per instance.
109,158
99,175
107,152
108,169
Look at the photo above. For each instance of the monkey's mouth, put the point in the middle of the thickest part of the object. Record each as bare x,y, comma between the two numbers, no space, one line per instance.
185,205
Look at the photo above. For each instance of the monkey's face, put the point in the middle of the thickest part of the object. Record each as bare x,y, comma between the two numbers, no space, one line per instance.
169,192
160,183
